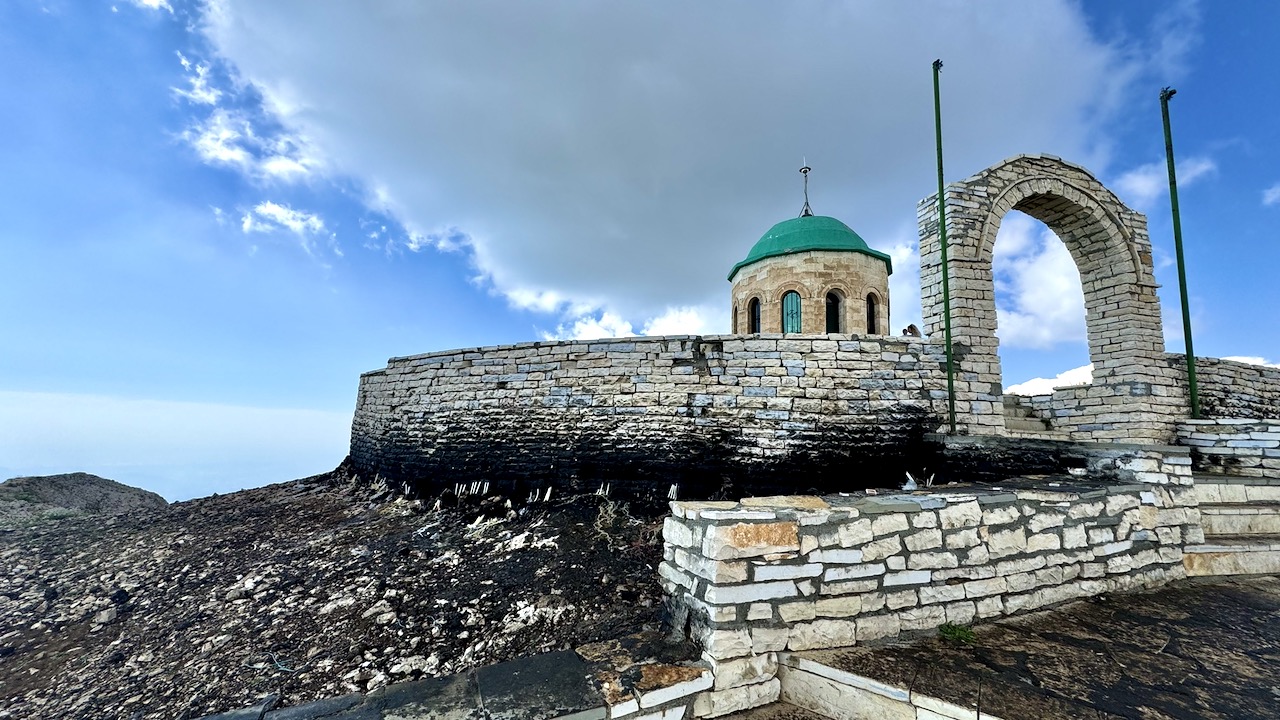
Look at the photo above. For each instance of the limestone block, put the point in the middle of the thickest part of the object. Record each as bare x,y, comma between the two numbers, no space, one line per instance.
880,549
677,533
927,519
743,671
742,540
932,560
851,572
850,587
722,702
689,681
822,634
959,539
1044,520
769,640
769,571
922,618
1007,542
923,540
727,644
840,606
1043,541
983,588
933,594
889,523
715,571
874,627
752,592
959,515
1001,515
855,533
907,577
797,611
846,557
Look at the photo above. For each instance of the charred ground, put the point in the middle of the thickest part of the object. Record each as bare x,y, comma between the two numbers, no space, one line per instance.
310,589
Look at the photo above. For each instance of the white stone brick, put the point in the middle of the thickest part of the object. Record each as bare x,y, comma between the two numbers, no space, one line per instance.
753,592
722,702
889,523
959,515
881,548
743,671
659,696
923,540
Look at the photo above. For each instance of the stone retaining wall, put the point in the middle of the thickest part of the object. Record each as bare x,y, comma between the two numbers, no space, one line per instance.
753,578
1233,446
1230,389
737,414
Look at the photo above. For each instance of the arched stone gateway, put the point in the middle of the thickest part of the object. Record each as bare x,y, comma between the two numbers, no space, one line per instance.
1134,395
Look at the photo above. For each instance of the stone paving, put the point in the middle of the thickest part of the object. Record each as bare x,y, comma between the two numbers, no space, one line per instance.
1197,649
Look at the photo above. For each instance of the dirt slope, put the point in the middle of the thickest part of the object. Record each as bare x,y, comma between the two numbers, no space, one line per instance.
314,588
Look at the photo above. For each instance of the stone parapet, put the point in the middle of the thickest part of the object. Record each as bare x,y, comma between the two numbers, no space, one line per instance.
1233,446
763,412
753,578
1231,389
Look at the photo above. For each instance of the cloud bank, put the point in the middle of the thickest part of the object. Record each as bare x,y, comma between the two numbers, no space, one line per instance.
606,164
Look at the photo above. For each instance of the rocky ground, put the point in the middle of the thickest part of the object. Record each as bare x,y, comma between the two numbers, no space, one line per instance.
310,589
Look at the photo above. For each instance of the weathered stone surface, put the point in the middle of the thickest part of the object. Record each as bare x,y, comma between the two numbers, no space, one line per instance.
744,540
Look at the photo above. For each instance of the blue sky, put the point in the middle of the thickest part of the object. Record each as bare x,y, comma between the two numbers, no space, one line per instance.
217,214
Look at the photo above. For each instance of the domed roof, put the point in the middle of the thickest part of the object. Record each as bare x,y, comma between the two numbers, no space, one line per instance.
808,232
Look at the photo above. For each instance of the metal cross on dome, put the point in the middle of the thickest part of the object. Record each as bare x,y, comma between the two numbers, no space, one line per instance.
805,211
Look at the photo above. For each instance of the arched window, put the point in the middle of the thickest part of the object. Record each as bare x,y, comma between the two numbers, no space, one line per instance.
753,315
791,312
833,312
871,314
735,318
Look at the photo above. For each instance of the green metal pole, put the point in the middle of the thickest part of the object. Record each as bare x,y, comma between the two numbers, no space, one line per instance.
942,239
1165,94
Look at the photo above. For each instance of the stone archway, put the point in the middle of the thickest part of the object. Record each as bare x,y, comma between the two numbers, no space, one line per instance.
1134,395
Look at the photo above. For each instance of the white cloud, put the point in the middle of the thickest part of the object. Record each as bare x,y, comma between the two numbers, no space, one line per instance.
1044,386
230,138
269,216
591,327
627,158
687,321
1271,196
153,5
1039,299
904,283
201,92
1142,186
1252,360
219,140
178,449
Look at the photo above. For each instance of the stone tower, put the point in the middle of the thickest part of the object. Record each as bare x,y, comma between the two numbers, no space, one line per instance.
812,275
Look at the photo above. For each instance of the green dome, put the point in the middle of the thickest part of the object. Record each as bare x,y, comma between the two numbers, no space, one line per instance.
808,232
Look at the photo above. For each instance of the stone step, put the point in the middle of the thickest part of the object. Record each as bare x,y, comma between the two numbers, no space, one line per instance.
1257,518
1234,555
1229,489
1024,424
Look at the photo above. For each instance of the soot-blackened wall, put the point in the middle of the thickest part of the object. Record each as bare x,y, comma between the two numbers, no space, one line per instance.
715,414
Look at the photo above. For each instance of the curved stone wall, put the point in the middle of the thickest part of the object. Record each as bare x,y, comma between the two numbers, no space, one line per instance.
716,415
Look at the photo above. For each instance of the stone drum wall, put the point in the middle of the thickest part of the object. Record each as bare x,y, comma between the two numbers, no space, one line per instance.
731,414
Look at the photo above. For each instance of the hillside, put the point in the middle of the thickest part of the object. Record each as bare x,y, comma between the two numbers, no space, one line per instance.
311,589
28,499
